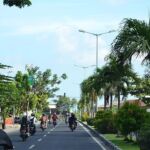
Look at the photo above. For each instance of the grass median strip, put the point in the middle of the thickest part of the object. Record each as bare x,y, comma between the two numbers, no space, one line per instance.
119,141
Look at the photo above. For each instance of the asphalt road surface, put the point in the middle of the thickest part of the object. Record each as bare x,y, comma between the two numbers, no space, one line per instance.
58,138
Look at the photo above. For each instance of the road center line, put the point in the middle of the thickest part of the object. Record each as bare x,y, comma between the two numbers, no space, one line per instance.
39,140
32,146
103,148
52,129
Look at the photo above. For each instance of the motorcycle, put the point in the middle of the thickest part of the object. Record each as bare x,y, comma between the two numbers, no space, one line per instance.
23,133
43,126
73,126
32,129
54,123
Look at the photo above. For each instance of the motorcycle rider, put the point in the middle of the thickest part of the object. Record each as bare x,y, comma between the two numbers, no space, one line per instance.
25,123
43,120
72,120
54,118
33,122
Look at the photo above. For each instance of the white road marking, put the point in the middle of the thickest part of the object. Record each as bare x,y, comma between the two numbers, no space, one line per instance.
103,148
32,146
39,140
45,135
48,132
52,129
81,124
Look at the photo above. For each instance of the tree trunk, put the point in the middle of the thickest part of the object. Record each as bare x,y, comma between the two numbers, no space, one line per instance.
118,98
105,101
92,107
95,104
111,97
3,124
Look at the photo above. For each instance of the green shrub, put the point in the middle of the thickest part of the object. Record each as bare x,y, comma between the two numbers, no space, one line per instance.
144,135
105,126
129,118
90,121
85,116
104,122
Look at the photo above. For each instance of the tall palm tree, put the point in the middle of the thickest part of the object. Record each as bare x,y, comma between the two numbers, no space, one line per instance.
117,77
132,40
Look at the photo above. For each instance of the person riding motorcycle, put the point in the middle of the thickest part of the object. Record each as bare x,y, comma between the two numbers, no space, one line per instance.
24,124
54,118
32,123
43,120
72,120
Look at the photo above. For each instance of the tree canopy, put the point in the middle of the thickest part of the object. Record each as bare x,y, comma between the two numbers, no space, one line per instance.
17,3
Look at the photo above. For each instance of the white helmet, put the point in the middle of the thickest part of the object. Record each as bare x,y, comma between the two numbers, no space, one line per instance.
24,114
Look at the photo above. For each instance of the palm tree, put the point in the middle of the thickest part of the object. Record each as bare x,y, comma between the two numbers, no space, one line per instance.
132,40
89,90
117,78
112,79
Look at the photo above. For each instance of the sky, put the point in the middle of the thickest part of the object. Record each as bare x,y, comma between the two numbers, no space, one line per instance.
46,35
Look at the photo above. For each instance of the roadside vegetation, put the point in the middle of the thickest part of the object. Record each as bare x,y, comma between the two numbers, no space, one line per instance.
27,91
125,124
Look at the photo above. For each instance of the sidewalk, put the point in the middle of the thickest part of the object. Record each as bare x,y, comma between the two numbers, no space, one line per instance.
12,128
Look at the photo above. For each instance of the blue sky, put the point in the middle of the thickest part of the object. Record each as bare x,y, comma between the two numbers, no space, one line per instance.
46,35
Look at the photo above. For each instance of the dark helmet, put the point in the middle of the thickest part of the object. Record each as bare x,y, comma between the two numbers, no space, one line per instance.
72,114
33,114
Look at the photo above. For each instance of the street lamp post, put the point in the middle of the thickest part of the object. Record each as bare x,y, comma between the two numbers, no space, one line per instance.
96,35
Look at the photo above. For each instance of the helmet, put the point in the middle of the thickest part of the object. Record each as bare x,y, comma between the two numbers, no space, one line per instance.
72,114
32,114
24,114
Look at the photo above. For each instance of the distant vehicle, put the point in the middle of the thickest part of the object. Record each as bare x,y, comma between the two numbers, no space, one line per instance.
17,120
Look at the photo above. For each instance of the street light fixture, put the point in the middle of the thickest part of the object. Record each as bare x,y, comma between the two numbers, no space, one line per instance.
84,67
96,35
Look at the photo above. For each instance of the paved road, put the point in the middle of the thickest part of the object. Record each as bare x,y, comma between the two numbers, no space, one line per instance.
59,138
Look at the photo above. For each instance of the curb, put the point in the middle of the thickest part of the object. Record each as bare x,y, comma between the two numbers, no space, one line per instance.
108,143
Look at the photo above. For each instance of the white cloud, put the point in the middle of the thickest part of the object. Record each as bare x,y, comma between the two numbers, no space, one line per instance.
32,28
84,52
69,40
66,39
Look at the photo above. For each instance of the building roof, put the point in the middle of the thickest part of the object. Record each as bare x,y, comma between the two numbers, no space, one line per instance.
131,101
138,102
